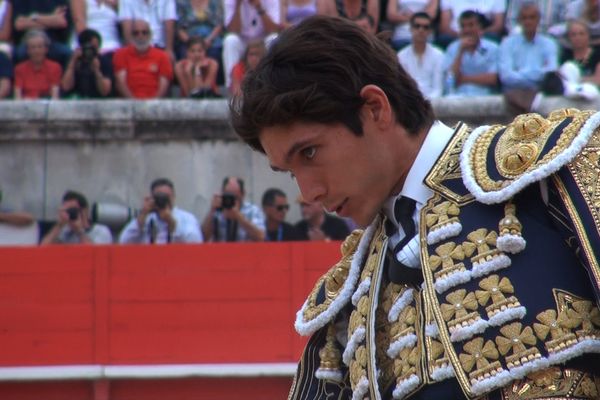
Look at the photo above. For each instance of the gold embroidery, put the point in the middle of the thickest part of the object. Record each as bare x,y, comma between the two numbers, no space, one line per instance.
441,215
456,311
510,225
515,338
329,354
445,256
497,289
553,383
358,366
483,357
481,240
406,364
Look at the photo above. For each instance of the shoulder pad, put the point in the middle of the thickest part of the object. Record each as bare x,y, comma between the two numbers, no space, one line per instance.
498,161
335,288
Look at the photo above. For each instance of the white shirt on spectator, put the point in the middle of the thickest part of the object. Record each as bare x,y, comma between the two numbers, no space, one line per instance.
155,12
251,23
103,19
426,70
187,229
98,234
485,7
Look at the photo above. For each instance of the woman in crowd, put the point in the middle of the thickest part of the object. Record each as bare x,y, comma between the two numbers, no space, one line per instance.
101,16
197,73
589,12
200,18
254,52
581,62
37,77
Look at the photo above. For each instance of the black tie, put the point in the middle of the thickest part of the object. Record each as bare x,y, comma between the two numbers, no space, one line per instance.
404,209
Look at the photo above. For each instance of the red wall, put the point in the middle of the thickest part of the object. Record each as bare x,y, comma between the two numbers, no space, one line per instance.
176,304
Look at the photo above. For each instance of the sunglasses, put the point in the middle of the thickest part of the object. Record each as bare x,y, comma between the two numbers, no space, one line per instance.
139,33
422,26
282,207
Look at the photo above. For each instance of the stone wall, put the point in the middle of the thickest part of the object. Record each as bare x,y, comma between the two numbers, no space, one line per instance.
112,149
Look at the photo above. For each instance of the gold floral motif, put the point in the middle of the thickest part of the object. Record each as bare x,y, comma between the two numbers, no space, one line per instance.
497,289
442,214
585,314
358,366
517,338
406,363
481,241
406,323
550,323
482,357
445,256
459,302
554,383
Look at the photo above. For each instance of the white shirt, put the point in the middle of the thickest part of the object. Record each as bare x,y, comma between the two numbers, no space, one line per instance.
98,234
251,23
414,187
104,20
427,70
485,7
402,30
155,12
187,229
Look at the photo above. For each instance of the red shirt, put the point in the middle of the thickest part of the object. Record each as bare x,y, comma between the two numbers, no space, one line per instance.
37,82
143,70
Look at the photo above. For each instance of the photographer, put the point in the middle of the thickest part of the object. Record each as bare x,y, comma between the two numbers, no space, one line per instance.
88,74
231,219
160,221
73,225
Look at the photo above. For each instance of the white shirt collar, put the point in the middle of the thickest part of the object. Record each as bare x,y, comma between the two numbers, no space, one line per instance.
414,186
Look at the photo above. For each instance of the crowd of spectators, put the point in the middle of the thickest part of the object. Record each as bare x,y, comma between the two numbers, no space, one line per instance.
202,48
158,220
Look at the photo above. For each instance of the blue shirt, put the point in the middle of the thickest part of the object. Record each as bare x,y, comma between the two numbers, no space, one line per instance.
523,63
484,60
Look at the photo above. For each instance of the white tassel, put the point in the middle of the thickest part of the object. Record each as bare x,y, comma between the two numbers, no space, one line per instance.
361,389
483,268
528,367
507,315
431,330
335,376
406,386
469,331
456,278
442,373
487,385
583,347
512,244
363,288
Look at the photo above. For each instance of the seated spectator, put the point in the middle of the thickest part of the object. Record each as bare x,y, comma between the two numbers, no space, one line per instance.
366,22
74,226
492,10
252,56
100,16
588,11
316,224
6,27
200,18
88,75
275,206
295,11
197,73
247,21
552,16
159,14
525,58
6,75
50,16
231,218
400,13
160,221
471,62
142,71
37,77
350,9
423,61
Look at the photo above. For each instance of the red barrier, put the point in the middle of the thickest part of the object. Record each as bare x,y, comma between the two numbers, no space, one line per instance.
154,305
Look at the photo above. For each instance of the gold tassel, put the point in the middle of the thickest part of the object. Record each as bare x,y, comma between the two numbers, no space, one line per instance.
510,239
331,358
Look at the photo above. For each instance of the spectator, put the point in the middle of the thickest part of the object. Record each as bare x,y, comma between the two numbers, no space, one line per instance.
142,71
88,74
252,56
197,73
492,10
400,13
351,9
160,14
589,11
552,16
37,77
316,224
366,22
581,52
6,75
6,27
231,219
471,62
246,21
15,218
74,226
275,206
200,18
51,16
295,11
421,60
524,60
102,17
160,221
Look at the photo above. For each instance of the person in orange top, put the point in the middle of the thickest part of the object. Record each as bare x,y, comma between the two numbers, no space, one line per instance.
142,71
37,77
254,52
197,73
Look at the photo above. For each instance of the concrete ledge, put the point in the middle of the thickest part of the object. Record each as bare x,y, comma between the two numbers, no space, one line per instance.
167,120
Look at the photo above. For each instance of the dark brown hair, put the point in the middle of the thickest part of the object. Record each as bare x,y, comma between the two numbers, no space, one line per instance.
314,72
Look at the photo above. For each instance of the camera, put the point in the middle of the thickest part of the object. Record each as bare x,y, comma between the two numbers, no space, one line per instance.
161,200
88,53
228,201
73,213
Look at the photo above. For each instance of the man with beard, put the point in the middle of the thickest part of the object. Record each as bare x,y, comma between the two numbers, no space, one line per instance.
142,71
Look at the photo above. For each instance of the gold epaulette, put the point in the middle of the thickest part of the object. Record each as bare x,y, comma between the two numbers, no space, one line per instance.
498,161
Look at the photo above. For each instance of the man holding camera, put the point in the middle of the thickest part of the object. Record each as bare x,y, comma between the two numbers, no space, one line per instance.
231,219
88,75
160,221
74,226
